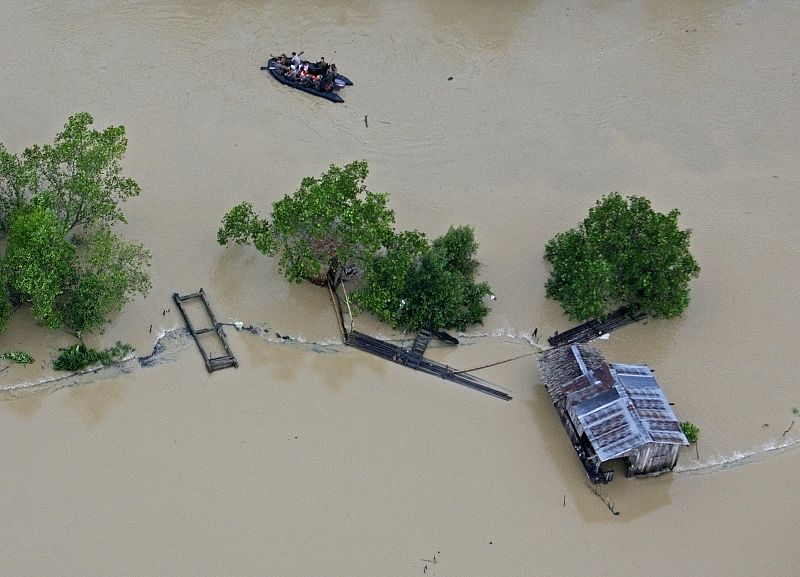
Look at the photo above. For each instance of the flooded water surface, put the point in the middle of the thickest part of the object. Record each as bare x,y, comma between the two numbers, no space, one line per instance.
315,459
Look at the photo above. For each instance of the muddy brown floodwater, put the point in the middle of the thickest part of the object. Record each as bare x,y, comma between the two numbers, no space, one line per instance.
312,459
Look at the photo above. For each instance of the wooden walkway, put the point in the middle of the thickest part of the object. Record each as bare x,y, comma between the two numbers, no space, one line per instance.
593,328
413,358
212,363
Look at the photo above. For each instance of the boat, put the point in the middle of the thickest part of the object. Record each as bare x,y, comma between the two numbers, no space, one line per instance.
445,337
339,81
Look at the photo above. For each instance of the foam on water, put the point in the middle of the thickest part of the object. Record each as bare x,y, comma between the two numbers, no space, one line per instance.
739,458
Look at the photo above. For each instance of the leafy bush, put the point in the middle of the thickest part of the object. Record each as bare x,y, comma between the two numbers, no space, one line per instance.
80,356
18,357
691,431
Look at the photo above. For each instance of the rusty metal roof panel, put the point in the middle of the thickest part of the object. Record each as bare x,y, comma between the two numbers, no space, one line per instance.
578,383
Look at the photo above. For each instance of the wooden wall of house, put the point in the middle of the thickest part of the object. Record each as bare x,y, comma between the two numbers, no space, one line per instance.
569,426
653,458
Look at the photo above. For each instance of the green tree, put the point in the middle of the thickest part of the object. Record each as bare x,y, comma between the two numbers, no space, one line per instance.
329,222
38,260
413,285
623,253
57,206
16,178
5,301
105,275
80,174
382,289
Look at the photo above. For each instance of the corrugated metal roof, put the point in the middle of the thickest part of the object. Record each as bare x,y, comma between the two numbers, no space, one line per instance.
612,428
619,407
650,404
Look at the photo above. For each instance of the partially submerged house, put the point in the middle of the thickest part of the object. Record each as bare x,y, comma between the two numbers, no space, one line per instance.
611,411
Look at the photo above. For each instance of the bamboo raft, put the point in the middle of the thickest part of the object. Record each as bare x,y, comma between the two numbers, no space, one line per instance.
592,329
212,363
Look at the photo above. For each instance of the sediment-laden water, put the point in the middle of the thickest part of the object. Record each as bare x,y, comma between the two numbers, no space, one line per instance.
312,458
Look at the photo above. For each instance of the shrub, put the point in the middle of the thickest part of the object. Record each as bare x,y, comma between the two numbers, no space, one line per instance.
691,431
80,356
18,357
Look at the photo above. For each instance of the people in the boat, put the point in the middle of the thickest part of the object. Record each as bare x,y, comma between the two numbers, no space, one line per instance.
326,83
282,63
319,75
319,68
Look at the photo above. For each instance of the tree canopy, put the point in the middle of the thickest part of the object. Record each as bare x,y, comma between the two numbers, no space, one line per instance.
623,254
335,224
331,221
79,176
58,204
415,285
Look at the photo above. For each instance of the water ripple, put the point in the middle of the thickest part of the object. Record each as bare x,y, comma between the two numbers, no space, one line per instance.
739,458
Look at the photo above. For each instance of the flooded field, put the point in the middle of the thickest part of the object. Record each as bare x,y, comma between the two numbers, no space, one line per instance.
314,459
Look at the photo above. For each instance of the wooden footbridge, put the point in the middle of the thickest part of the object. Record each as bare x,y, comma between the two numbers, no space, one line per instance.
593,328
220,356
413,358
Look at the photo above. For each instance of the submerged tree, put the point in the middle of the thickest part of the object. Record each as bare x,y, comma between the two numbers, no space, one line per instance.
330,222
57,206
5,301
38,261
623,253
79,176
334,224
414,285
104,276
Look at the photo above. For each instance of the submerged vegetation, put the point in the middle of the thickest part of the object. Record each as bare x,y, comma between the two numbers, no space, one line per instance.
331,221
415,285
623,254
19,357
333,225
58,204
80,356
